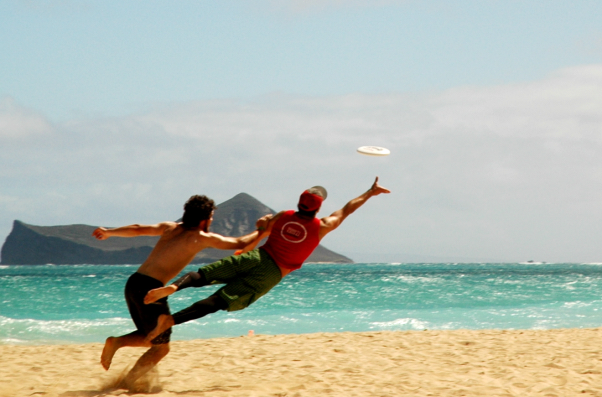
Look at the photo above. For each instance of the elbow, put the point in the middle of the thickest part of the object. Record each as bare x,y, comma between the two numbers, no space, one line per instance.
241,243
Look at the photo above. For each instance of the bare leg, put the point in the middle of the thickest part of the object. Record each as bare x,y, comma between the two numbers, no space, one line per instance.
144,364
199,309
112,344
164,322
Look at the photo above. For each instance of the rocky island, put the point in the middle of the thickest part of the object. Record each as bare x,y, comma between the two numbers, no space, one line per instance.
73,244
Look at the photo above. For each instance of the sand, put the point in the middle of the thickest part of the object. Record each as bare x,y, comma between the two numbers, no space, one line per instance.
565,362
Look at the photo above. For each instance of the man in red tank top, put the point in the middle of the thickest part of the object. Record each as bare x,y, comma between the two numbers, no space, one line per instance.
251,273
293,236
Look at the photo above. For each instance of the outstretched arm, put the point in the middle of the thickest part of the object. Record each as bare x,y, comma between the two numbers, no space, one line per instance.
264,227
196,279
218,241
225,243
102,233
333,221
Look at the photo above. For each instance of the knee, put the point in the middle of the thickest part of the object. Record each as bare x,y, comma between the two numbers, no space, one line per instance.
218,302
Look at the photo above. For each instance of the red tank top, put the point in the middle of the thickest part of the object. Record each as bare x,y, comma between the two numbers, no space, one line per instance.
292,240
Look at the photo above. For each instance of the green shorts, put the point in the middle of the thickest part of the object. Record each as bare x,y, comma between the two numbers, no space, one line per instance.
247,277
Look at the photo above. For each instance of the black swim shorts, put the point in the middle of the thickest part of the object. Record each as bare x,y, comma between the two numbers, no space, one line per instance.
145,316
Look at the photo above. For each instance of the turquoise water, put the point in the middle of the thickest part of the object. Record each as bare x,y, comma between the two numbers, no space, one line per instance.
84,303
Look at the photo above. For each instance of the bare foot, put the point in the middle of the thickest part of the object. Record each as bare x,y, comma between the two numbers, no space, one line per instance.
108,352
164,322
155,294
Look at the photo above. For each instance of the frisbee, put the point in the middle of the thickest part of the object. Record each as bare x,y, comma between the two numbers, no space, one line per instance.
373,151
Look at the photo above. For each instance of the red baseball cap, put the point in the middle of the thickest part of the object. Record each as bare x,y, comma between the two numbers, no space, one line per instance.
311,199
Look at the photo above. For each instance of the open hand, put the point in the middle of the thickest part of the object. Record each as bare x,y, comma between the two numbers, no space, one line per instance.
376,189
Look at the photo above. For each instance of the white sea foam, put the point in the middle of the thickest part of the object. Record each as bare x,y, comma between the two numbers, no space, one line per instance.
12,341
413,279
32,330
256,322
287,319
576,304
570,285
400,322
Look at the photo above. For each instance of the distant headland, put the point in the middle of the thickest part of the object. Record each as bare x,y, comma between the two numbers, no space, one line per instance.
73,244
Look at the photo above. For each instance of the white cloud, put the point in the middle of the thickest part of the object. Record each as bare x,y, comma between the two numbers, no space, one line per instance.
54,6
18,123
564,105
505,172
313,6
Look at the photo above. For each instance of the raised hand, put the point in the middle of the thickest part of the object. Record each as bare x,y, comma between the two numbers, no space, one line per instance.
376,189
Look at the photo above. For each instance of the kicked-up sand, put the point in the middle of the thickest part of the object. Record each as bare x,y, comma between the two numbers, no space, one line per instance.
561,362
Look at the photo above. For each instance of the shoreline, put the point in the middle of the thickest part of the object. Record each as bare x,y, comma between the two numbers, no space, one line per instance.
555,362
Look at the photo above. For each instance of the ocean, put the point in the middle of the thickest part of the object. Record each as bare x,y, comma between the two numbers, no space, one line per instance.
51,304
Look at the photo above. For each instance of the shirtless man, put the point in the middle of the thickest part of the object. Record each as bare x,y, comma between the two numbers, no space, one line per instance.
293,235
178,245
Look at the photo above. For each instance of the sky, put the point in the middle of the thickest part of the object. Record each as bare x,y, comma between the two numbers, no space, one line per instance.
115,112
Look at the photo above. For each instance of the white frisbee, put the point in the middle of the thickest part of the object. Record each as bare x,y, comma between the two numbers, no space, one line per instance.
373,151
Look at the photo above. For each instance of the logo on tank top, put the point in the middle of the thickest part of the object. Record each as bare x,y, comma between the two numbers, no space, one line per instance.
293,232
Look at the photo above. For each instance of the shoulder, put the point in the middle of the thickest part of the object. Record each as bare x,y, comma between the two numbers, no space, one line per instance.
167,225
203,234
330,222
210,236
279,215
157,229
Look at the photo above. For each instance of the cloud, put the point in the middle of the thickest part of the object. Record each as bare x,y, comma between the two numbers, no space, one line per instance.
317,6
54,6
17,122
508,172
562,105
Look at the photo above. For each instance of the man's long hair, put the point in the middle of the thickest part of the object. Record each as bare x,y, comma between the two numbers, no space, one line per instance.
197,209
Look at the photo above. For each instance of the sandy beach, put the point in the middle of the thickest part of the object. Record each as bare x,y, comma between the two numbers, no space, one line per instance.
564,362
